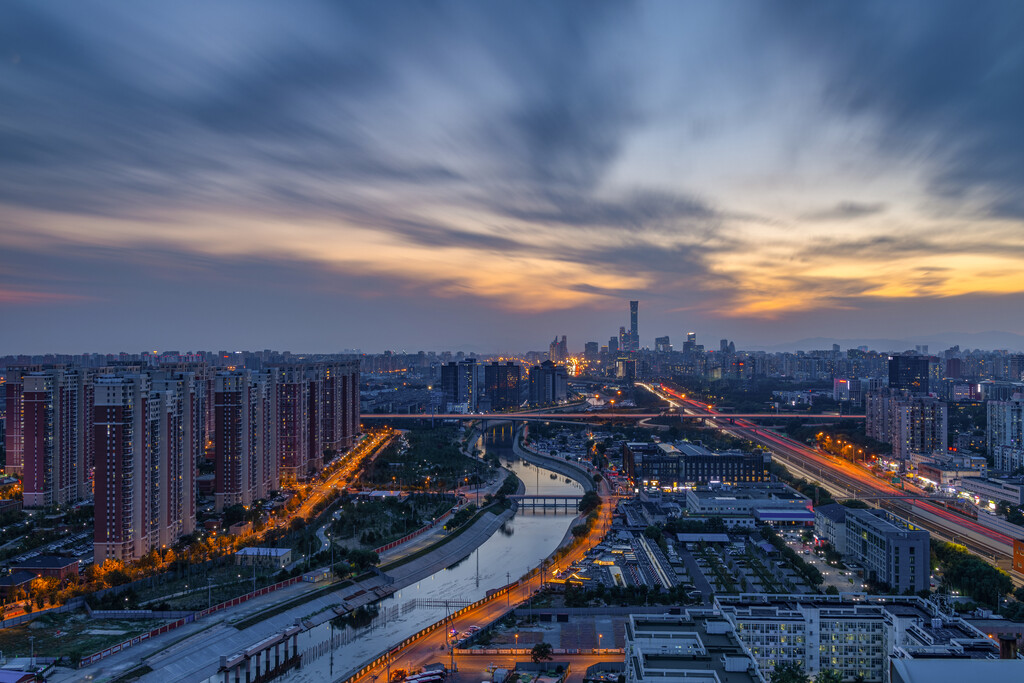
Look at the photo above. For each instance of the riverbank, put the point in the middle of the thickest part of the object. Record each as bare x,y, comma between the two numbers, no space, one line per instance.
584,476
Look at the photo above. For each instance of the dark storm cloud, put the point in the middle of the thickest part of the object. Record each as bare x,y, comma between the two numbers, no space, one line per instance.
943,76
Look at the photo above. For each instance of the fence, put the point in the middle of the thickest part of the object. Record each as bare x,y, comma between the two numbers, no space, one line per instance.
191,617
409,537
135,613
69,606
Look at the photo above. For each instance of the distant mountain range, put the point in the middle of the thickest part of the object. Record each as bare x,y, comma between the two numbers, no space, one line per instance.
936,342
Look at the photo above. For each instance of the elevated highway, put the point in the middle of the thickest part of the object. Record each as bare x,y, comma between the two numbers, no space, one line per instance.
598,415
847,480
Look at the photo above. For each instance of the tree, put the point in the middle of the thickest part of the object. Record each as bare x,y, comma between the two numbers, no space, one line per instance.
541,652
789,672
828,676
589,502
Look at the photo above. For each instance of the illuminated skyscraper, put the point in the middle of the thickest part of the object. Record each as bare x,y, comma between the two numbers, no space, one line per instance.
634,332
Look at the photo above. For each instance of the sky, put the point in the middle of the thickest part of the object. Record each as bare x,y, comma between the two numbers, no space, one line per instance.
318,176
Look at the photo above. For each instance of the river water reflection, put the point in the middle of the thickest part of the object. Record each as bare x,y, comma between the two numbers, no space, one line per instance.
512,551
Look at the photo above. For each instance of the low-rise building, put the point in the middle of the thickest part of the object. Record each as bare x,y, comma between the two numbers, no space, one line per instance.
264,557
765,502
855,634
50,566
995,489
830,525
12,583
696,647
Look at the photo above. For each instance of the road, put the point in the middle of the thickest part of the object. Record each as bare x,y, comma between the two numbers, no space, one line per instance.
351,462
856,482
434,646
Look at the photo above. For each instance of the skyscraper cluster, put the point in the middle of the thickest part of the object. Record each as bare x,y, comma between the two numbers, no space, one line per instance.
468,386
130,437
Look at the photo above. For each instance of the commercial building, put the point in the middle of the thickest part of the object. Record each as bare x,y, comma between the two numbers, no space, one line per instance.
855,634
1006,432
695,647
674,466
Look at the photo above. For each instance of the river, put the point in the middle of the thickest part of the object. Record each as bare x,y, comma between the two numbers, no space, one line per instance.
512,551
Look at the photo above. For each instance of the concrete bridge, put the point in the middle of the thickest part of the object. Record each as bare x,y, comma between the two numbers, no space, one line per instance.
547,501
559,417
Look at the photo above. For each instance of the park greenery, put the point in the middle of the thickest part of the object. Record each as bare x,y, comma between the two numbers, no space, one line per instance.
378,521
427,460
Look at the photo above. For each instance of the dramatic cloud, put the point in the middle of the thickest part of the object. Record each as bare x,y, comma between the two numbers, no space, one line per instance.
488,174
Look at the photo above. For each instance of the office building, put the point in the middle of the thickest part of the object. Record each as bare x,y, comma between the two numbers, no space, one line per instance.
549,383
890,549
502,383
696,646
662,345
909,373
856,634
1006,432
613,346
591,351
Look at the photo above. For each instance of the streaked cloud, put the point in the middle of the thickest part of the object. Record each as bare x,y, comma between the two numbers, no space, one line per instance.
732,165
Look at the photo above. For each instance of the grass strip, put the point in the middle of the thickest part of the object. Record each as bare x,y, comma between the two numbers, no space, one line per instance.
496,508
287,605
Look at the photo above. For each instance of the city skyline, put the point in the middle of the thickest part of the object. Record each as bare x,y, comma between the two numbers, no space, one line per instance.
490,176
